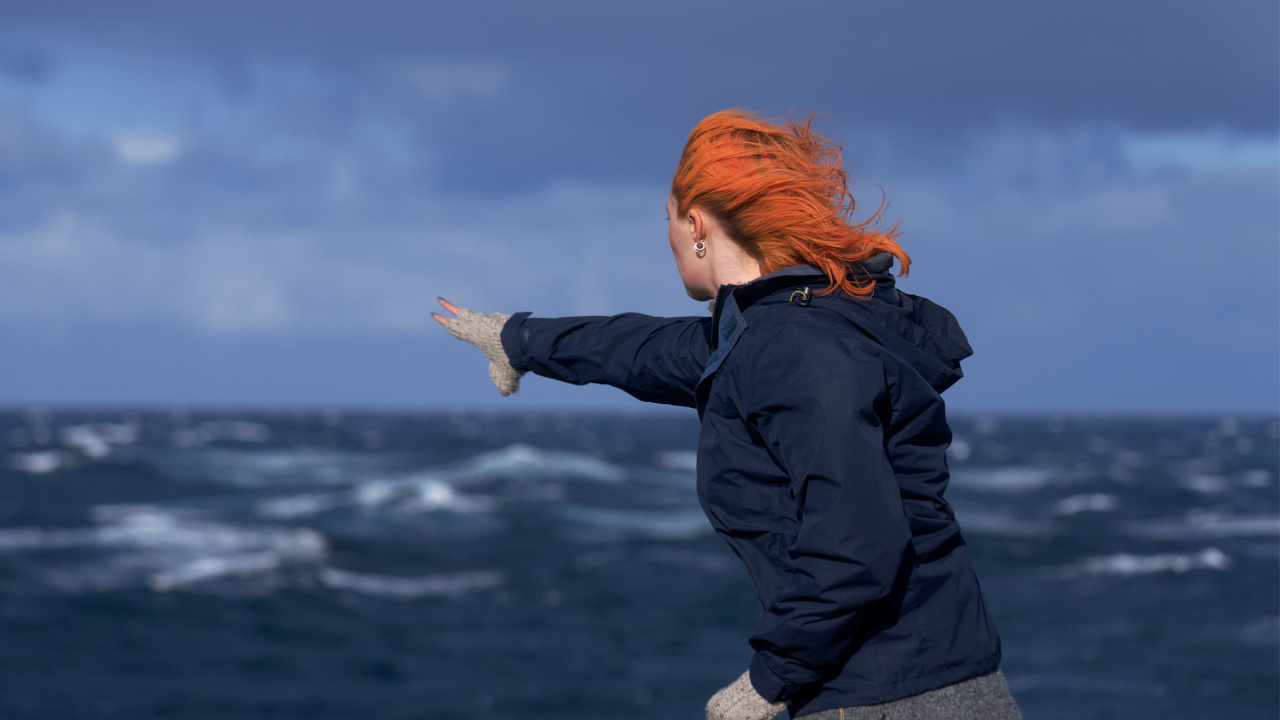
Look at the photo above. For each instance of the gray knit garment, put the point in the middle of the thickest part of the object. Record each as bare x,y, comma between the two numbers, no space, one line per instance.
740,701
981,698
485,332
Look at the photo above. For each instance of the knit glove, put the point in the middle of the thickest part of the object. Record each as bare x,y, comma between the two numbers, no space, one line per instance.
485,332
740,701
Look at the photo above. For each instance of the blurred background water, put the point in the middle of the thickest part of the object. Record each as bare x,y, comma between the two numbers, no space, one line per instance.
553,565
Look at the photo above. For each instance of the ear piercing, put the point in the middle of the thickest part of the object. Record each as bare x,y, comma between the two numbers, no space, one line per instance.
700,247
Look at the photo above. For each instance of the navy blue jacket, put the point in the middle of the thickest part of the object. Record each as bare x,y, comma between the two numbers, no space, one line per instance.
822,462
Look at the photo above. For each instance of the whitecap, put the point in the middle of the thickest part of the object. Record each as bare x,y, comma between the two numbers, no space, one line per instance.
658,524
259,468
1205,484
433,495
405,495
676,460
959,450
209,568
85,439
417,494
95,440
164,548
1007,479
375,493
18,539
1127,565
36,463
445,584
1201,525
1091,502
220,430
1256,478
522,462
296,506
980,522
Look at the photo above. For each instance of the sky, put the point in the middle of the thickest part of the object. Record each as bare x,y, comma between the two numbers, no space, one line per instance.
255,204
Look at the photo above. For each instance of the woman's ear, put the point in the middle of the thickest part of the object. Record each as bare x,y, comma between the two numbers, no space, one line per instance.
697,224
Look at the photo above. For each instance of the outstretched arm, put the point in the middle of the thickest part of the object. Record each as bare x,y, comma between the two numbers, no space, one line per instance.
654,359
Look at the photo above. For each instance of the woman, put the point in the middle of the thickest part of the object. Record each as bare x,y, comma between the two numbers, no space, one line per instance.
822,451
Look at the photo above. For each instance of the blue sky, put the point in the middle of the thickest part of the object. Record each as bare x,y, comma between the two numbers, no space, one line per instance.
242,203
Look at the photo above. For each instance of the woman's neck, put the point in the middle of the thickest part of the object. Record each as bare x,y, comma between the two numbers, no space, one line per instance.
730,263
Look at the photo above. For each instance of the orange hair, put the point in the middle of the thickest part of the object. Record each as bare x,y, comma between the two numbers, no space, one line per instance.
780,192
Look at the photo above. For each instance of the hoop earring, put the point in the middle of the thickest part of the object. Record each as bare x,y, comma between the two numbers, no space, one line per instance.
700,247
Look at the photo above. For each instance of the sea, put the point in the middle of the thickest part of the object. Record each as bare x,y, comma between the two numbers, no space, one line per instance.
165,563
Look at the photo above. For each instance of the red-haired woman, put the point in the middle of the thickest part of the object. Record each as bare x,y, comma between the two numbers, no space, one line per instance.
822,452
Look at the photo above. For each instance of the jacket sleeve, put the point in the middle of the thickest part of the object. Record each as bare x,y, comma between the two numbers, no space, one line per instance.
816,411
652,358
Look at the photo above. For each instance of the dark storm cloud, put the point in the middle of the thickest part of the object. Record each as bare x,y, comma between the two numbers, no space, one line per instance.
595,89
1148,65
25,63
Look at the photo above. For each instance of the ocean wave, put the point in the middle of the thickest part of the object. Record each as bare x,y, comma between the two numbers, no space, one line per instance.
1202,525
205,569
307,466
979,522
37,463
403,495
676,460
263,468
523,462
1091,502
289,507
1006,479
1206,484
450,584
95,440
220,431
1127,565
163,549
1263,631
1211,483
620,523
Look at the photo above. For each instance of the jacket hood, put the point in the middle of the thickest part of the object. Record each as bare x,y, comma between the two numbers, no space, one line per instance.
922,333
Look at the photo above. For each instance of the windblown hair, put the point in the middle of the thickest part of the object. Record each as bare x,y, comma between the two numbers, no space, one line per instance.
780,192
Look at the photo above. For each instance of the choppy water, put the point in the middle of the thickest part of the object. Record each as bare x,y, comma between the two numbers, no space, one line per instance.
339,565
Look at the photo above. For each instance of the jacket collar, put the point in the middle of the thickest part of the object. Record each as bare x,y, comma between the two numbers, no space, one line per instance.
876,268
728,323
923,334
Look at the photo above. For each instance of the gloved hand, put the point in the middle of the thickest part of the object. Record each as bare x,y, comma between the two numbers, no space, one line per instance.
740,701
485,332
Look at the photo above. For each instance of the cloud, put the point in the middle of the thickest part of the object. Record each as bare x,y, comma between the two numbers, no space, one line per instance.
203,171
146,148
559,246
25,63
445,81
1148,64
351,243
1203,151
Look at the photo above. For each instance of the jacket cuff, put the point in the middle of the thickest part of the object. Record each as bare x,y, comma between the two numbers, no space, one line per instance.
766,682
513,340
